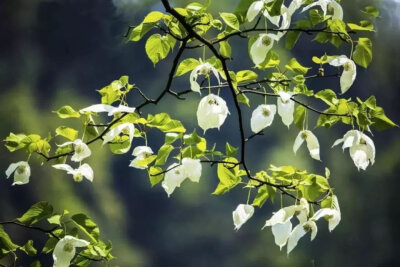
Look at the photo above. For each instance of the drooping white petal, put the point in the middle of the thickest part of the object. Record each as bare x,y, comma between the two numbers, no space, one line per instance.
202,69
281,216
286,107
333,216
254,9
312,145
261,46
192,169
242,214
86,171
97,108
21,170
141,150
311,6
337,10
294,6
63,167
65,250
121,109
299,231
81,151
273,19
211,112
173,178
262,117
370,148
359,155
124,128
281,232
298,141
349,73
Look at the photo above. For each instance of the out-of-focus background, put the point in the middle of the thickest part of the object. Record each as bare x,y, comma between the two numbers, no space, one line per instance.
58,52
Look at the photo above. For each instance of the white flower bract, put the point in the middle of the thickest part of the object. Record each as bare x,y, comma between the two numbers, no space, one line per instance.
361,148
211,112
21,170
84,171
286,107
111,110
261,47
202,69
81,150
312,143
124,128
242,214
325,4
349,72
262,117
65,250
141,153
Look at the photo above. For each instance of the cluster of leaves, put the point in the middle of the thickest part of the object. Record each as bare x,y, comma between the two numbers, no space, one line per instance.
42,218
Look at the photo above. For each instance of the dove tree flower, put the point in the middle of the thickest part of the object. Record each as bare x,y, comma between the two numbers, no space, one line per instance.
141,153
349,71
260,48
123,128
242,214
286,107
281,224
81,150
312,143
262,117
21,170
331,214
299,231
177,173
211,112
65,250
361,147
111,110
258,7
204,69
325,5
84,171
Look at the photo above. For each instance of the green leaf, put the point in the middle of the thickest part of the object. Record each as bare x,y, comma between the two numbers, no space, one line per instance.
241,10
365,25
296,67
230,151
67,132
246,76
300,116
14,142
36,213
157,48
363,52
371,11
49,245
380,120
231,20
186,65
163,154
195,139
87,226
322,60
163,122
6,245
272,60
29,249
111,93
328,96
228,177
291,39
67,112
225,49
264,192
274,8
147,24
171,138
155,179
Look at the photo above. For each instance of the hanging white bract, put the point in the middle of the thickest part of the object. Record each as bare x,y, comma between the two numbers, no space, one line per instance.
211,112
242,214
21,170
349,72
65,250
325,4
81,150
203,69
84,171
312,143
262,117
142,153
286,107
